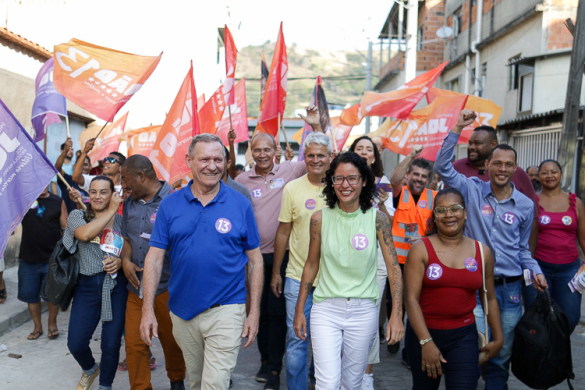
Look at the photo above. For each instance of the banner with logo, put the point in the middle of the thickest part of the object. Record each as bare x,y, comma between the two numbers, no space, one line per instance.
140,141
180,126
48,104
98,79
25,171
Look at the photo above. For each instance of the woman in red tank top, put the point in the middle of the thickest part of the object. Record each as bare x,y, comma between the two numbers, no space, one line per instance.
443,273
561,225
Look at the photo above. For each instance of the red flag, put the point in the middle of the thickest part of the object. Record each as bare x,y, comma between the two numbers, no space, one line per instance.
108,141
341,132
239,117
211,113
99,79
274,99
231,55
399,103
200,101
181,125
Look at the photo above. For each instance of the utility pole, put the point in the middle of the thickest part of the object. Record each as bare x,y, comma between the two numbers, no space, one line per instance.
369,80
411,41
566,153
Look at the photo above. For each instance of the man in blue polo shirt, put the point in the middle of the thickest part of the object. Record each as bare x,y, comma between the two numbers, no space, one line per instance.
499,216
210,233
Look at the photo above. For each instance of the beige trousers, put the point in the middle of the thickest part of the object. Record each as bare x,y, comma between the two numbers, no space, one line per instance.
210,343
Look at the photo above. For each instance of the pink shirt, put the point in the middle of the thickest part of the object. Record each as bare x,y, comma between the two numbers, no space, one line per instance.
557,235
267,196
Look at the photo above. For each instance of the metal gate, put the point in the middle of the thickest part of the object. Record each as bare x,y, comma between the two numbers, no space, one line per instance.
535,145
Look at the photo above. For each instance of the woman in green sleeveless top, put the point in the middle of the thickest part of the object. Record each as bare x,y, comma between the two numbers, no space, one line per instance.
344,317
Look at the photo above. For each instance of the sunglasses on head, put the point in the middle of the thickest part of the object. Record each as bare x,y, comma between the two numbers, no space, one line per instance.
111,160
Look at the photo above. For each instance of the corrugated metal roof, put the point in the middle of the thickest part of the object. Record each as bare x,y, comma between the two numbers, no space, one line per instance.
523,60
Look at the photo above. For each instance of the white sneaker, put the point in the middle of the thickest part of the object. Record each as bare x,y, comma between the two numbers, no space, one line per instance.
368,382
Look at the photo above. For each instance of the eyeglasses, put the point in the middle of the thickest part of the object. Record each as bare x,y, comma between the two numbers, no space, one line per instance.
455,210
352,180
111,160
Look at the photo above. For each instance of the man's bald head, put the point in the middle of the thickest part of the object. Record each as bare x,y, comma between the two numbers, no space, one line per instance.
139,163
263,136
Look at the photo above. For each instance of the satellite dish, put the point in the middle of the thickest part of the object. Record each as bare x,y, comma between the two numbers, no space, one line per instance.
444,32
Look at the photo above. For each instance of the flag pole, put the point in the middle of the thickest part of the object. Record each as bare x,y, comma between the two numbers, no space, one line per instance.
79,201
98,134
333,139
281,124
67,123
230,114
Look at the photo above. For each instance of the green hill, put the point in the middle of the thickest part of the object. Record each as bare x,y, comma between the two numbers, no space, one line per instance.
307,63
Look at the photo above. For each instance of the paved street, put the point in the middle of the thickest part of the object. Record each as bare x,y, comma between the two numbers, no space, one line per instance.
46,364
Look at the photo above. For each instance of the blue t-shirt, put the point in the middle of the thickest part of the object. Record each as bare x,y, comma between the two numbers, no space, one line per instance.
206,248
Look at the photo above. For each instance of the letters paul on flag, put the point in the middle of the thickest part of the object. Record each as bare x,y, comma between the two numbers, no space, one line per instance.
180,126
25,171
109,139
399,103
99,79
231,56
48,104
140,141
274,99
239,117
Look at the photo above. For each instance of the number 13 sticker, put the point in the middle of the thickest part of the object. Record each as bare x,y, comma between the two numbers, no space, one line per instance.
223,225
359,242
434,271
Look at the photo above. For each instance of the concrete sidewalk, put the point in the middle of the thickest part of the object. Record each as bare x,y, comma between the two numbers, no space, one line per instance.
13,312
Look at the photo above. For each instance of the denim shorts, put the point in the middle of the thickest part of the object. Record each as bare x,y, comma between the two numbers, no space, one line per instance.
30,280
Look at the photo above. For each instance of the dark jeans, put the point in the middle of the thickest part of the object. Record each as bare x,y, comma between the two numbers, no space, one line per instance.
458,346
86,311
557,277
389,309
272,330
30,280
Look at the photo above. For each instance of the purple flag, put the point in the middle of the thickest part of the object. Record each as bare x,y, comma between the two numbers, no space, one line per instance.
49,103
25,171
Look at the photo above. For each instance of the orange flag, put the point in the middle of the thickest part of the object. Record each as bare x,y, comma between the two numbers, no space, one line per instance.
231,55
109,139
340,130
400,102
239,117
141,141
352,116
430,125
99,79
274,99
180,126
211,113
200,101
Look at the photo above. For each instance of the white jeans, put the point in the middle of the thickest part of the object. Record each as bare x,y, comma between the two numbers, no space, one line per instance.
342,333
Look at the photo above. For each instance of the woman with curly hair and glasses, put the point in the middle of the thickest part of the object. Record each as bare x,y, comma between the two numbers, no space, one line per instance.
344,317
442,275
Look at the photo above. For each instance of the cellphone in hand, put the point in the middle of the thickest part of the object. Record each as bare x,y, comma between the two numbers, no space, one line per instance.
384,186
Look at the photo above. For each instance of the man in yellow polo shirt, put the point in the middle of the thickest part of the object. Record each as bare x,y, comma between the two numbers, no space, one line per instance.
300,199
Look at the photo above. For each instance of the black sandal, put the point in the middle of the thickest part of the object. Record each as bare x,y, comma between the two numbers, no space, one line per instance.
3,294
53,334
35,336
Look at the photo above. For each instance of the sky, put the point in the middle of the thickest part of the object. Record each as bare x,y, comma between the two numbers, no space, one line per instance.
187,30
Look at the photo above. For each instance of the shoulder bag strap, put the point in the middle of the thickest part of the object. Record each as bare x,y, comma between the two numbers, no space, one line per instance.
485,301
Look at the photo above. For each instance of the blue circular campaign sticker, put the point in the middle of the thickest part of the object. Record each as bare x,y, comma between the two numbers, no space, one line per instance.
257,193
434,271
471,264
359,242
509,217
487,210
544,219
310,204
223,225
422,204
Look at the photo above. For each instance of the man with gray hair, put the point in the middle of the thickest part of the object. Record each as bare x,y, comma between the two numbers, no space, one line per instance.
210,233
300,199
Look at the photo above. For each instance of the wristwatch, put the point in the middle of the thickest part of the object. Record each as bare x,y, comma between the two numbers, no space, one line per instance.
423,342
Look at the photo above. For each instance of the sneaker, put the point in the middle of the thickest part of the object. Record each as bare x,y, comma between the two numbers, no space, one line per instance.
368,382
87,380
178,385
273,382
405,363
393,348
262,375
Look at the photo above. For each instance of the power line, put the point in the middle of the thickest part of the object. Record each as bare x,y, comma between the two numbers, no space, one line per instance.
332,78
